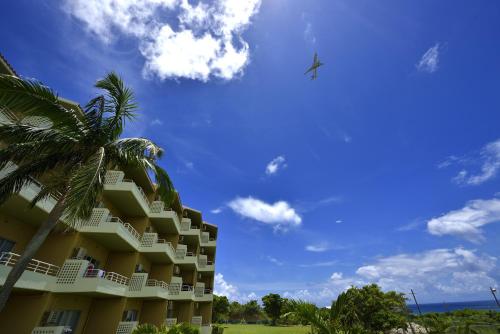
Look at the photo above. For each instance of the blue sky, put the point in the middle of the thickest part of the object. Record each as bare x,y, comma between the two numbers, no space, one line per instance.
382,170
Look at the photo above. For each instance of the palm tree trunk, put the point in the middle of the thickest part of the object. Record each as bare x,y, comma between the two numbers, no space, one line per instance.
31,248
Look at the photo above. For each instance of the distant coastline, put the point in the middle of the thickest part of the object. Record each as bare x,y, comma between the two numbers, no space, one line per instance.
446,307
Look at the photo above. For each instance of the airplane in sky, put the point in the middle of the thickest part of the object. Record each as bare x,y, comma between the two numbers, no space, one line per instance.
314,67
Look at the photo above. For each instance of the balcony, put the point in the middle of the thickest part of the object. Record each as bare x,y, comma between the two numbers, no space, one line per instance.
128,197
51,330
204,264
165,221
190,233
74,277
184,258
126,327
157,250
170,322
179,291
110,231
197,320
202,294
206,240
142,287
18,204
38,275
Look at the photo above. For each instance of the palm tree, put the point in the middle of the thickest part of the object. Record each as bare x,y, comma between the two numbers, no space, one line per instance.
340,319
72,153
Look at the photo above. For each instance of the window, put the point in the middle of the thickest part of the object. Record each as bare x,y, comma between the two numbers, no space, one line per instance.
130,315
6,245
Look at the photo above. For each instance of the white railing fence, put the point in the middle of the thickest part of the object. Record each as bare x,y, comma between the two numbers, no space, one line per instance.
10,259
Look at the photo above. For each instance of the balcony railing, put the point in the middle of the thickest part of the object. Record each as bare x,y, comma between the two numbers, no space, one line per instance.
197,320
169,322
127,226
126,327
143,194
51,330
185,225
110,276
157,283
10,259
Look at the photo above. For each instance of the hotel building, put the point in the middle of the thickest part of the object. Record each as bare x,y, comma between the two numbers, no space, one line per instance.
134,261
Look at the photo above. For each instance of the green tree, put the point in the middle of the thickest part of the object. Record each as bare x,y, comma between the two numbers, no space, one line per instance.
235,312
324,321
272,306
220,309
252,311
72,153
374,310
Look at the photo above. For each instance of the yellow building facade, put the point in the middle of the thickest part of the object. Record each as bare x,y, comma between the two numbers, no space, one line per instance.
134,261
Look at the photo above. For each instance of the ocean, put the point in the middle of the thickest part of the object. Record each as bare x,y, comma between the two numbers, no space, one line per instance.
445,307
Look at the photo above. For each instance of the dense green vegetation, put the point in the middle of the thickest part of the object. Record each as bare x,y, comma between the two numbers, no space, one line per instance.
365,310
463,321
177,329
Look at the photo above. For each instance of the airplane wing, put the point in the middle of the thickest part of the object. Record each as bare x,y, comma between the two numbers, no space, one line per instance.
310,69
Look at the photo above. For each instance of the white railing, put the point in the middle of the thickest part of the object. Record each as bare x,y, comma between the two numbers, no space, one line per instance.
127,226
156,283
51,330
157,207
169,322
207,291
185,225
117,278
10,259
205,237
187,287
143,194
168,243
197,320
126,327
110,276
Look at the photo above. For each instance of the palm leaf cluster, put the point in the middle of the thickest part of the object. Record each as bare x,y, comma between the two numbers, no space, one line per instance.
73,152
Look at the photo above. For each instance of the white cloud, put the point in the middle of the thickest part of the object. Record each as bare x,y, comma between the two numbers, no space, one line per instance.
309,33
467,221
318,264
336,276
279,214
156,121
223,288
177,39
490,165
437,273
216,211
430,60
339,221
275,165
318,248
275,261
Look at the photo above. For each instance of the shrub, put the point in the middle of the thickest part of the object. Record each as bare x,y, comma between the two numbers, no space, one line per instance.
217,329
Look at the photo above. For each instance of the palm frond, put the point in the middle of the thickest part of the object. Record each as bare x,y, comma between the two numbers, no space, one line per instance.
24,133
119,102
131,149
31,98
25,174
85,185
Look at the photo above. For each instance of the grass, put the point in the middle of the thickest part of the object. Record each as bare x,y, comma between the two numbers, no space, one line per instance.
263,329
